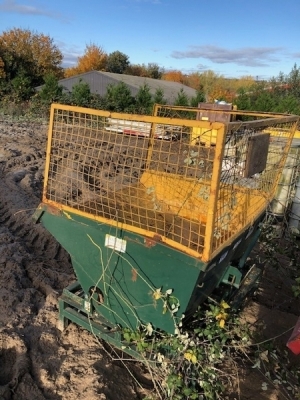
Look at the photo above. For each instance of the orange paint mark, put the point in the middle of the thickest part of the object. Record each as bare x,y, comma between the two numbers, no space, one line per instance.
134,275
152,242
53,210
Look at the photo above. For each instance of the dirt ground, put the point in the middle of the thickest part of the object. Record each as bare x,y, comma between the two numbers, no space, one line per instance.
37,361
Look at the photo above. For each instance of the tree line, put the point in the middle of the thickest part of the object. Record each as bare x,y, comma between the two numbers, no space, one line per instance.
30,59
118,97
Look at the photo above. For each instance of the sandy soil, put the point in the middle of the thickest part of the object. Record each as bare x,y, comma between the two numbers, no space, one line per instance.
37,361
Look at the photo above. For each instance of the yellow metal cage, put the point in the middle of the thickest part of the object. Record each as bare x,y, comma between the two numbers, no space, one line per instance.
173,177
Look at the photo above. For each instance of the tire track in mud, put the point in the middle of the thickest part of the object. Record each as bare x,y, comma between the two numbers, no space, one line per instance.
36,360
41,255
33,267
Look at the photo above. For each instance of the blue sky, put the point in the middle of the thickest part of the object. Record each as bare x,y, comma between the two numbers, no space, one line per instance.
234,38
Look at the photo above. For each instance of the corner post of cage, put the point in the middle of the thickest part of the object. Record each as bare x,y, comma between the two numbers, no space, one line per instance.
214,192
150,143
284,157
48,150
155,109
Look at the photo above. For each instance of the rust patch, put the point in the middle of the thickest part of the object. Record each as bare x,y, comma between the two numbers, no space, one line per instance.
100,298
134,275
128,239
152,242
44,193
53,210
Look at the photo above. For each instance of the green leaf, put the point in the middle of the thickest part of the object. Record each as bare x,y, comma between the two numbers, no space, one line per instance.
126,336
187,391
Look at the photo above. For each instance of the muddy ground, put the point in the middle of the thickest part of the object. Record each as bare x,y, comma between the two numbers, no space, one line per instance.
37,361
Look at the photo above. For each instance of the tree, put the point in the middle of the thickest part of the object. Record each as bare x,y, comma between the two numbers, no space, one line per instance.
242,100
199,98
154,71
22,88
279,87
29,54
2,70
117,62
174,76
118,98
244,82
181,99
264,102
51,91
136,70
219,92
210,81
143,100
81,94
293,81
288,104
151,70
159,97
94,59
193,80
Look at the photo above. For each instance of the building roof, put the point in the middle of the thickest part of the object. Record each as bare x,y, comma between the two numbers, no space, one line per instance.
99,80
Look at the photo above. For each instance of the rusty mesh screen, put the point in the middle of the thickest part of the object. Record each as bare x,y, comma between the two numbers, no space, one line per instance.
167,175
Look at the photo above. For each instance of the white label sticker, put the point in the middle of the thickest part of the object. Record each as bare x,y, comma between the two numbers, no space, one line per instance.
115,243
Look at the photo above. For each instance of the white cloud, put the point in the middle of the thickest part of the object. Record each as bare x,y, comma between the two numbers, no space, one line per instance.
247,56
12,6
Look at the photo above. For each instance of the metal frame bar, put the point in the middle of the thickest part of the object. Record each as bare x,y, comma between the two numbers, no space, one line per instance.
214,191
72,309
221,130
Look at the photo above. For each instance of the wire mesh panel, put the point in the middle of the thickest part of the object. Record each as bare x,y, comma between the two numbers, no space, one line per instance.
252,163
253,155
143,172
171,177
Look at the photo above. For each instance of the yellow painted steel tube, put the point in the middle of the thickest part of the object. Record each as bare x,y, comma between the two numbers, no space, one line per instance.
214,191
